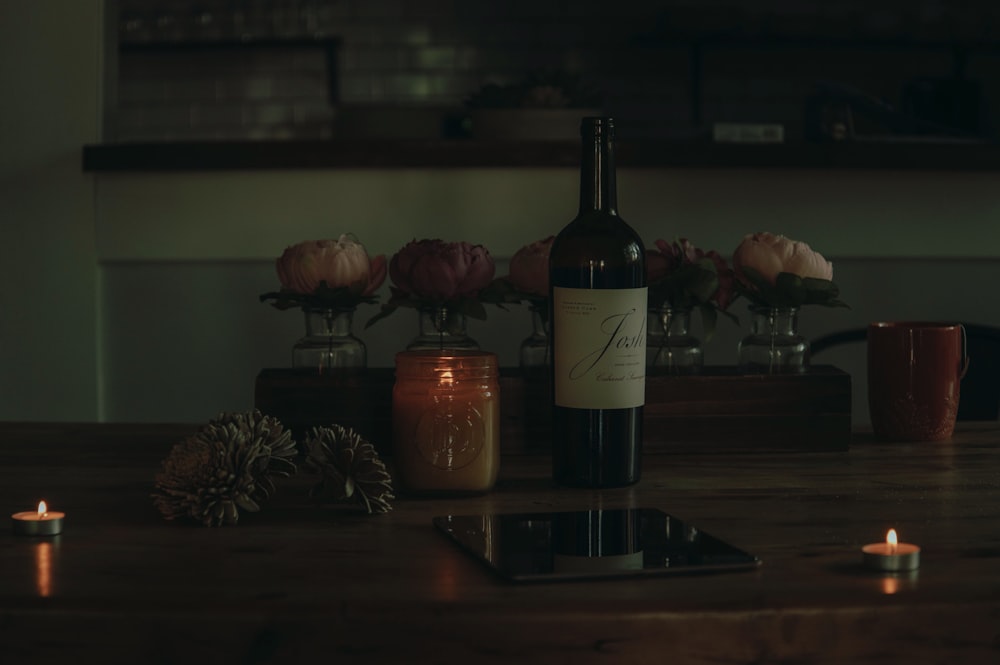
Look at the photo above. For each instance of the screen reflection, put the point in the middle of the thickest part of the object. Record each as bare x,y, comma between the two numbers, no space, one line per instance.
591,543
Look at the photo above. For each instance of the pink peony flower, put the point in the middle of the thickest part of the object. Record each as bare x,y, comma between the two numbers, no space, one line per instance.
727,281
770,254
667,258
340,263
529,268
661,261
441,271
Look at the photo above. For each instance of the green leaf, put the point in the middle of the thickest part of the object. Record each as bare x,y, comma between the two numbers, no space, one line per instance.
689,285
471,308
760,291
343,297
790,289
703,284
500,290
819,291
383,312
837,302
756,279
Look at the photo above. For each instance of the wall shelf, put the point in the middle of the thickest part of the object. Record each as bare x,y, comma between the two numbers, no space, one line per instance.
456,153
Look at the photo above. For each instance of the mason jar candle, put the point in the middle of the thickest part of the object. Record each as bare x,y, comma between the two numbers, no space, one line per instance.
446,421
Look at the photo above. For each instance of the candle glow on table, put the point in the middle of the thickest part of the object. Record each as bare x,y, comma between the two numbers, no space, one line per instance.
41,522
892,555
43,568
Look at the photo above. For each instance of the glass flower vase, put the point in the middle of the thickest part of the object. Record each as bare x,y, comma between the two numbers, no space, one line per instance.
442,329
670,346
534,351
774,345
329,344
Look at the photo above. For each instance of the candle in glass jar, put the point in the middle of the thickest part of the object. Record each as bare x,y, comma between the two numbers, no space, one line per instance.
446,421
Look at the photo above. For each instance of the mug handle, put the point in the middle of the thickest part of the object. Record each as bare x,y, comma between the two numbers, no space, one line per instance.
965,353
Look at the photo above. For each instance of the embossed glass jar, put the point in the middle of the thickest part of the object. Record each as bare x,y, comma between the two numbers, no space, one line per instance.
446,421
443,330
329,344
774,345
535,351
670,346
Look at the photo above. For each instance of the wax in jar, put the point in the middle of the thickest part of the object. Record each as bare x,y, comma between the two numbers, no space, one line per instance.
446,421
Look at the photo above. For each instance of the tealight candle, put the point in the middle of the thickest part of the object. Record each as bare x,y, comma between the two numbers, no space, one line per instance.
891,556
42,522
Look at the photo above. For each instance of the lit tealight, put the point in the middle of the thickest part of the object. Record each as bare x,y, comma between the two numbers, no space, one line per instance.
892,555
41,522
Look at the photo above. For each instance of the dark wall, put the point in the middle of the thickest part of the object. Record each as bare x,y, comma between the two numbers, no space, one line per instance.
672,68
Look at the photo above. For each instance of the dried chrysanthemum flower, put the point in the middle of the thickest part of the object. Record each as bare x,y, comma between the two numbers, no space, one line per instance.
228,465
350,468
279,446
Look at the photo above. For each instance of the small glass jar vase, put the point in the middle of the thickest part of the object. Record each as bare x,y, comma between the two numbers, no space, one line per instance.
329,344
446,421
442,329
535,350
670,346
774,345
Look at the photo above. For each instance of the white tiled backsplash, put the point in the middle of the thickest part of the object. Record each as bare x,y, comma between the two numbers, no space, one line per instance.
434,53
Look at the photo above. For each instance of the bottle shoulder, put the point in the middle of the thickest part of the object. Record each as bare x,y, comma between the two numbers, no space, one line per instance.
594,235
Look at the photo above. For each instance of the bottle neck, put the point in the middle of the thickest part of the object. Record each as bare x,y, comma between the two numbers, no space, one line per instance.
598,190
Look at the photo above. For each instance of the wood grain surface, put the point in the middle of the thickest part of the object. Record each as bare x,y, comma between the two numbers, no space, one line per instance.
303,583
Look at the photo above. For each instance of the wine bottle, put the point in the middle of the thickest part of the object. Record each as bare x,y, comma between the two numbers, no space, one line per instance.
597,273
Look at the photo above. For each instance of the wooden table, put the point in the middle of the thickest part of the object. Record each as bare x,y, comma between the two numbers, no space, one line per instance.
299,583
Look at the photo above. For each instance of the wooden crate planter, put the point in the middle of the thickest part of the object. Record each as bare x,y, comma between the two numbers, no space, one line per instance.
719,410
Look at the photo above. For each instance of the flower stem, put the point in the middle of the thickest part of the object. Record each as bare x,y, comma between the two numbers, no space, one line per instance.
665,320
771,324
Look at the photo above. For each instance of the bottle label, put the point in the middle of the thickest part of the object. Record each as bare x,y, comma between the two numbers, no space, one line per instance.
599,347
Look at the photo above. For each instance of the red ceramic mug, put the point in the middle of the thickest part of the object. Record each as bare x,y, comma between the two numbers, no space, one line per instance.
914,372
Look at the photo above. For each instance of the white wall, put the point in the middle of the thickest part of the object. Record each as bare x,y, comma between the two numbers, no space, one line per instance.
254,215
146,285
50,77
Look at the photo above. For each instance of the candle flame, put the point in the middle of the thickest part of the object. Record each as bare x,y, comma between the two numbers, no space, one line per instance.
892,540
43,509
